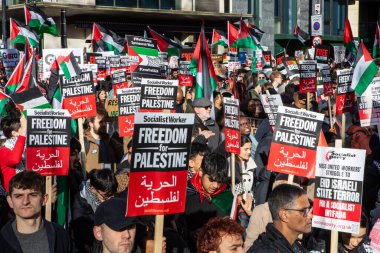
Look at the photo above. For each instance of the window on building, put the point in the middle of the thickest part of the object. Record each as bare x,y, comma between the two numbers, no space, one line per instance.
334,16
285,12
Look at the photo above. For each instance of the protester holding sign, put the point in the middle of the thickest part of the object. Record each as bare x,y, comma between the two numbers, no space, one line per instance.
14,129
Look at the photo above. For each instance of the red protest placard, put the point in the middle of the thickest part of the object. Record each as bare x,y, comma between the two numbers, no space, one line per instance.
160,151
294,142
308,76
79,95
345,99
48,141
129,104
338,189
231,125
119,80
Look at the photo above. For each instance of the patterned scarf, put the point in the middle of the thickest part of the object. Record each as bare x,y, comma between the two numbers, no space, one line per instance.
197,183
10,144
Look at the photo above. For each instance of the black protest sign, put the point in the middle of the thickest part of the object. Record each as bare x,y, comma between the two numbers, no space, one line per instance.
158,94
321,54
291,67
308,76
48,141
160,154
345,99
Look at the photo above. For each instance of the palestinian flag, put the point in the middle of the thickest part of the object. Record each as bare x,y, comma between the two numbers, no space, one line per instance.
364,72
3,101
202,68
233,34
29,78
37,19
348,40
16,77
70,66
53,81
301,34
376,43
165,44
219,38
30,99
20,32
256,33
106,40
244,39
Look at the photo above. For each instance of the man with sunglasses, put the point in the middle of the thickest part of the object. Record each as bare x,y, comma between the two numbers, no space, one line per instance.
292,213
202,108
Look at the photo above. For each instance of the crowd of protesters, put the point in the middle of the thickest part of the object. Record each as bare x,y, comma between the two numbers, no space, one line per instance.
273,216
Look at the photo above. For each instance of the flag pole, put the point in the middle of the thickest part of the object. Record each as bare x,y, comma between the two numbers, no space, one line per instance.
63,29
4,23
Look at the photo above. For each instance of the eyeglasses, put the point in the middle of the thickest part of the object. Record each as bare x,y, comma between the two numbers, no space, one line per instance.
305,211
207,107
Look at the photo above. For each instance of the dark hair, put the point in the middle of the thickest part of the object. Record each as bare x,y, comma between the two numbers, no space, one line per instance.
100,111
103,180
283,196
198,149
244,139
75,145
9,124
364,221
216,166
210,235
27,179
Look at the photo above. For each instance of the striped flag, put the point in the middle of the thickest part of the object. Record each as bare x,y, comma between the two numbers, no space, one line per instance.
38,20
256,33
348,41
364,72
219,38
233,33
3,101
30,99
165,44
70,66
106,40
20,32
202,68
301,34
29,79
16,77
376,43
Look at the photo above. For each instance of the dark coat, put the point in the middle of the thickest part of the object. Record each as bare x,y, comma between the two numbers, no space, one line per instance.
59,241
213,141
272,241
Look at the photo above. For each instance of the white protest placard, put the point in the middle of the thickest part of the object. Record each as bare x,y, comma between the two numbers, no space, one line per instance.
338,189
369,104
49,55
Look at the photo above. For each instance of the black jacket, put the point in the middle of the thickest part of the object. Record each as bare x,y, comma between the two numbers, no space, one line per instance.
59,241
210,124
272,241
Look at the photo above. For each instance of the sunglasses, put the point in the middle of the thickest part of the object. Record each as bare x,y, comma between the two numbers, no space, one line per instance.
208,107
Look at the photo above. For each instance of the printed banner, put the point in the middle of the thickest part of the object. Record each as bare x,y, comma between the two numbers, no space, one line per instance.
308,76
78,95
339,54
10,58
143,54
158,94
160,152
280,64
48,141
112,108
185,77
294,143
338,189
119,80
291,67
322,55
369,104
187,54
102,67
345,99
114,61
129,104
49,55
231,125
267,55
